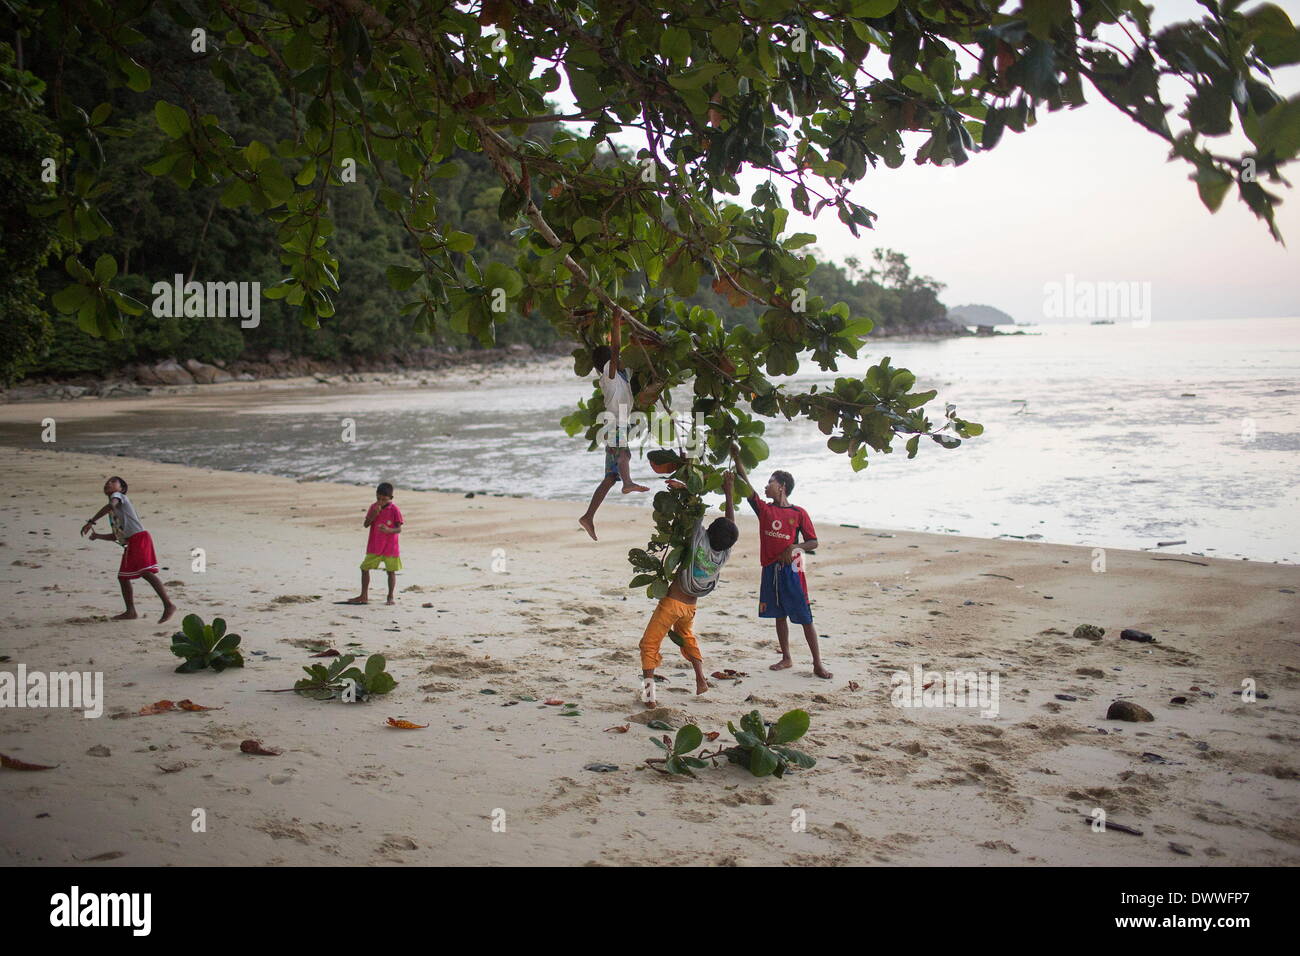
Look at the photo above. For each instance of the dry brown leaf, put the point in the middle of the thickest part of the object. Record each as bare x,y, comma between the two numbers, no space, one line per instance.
712,735
329,653
161,707
620,729
554,702
189,705
9,763
405,724
255,747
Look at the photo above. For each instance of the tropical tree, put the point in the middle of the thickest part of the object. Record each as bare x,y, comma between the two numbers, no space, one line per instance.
808,96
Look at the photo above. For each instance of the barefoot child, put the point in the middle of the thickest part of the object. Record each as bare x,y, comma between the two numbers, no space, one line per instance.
783,591
616,388
384,520
138,559
698,576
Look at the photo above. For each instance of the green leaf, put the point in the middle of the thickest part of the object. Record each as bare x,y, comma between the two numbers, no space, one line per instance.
762,761
402,278
498,275
71,297
688,738
105,268
792,725
675,44
172,120
300,52
585,227
460,242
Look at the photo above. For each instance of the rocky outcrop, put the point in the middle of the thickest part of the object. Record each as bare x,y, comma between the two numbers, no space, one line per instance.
170,372
207,374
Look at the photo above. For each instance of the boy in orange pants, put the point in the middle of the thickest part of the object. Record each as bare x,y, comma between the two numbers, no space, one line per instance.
697,576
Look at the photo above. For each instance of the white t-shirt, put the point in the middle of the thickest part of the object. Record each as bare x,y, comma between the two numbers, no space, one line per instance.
617,391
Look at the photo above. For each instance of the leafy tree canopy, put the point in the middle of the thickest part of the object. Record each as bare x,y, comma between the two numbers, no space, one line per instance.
812,95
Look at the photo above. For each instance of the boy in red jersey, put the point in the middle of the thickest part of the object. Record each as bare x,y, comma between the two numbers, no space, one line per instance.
783,591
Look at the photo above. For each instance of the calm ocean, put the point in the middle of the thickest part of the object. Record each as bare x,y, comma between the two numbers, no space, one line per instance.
1107,435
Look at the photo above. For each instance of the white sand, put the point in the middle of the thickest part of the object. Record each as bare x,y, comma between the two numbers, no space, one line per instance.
905,786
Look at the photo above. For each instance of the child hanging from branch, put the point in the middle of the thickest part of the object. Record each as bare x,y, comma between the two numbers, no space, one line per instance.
697,576
616,388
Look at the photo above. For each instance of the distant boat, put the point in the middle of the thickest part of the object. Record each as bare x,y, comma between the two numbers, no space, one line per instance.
1102,322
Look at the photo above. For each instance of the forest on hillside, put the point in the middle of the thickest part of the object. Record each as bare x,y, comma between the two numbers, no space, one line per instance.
155,230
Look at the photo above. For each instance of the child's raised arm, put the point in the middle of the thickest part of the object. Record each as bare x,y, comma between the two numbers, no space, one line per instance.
89,525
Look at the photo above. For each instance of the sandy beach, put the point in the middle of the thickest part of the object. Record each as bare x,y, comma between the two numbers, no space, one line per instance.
523,606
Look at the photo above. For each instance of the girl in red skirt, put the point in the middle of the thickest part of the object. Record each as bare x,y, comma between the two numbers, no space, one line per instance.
138,559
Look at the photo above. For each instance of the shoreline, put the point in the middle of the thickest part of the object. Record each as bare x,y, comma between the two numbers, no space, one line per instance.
408,371
525,606
535,371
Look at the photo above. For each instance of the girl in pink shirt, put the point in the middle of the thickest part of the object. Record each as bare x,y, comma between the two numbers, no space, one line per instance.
384,520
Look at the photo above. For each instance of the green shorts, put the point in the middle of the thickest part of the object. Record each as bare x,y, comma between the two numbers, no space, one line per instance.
391,562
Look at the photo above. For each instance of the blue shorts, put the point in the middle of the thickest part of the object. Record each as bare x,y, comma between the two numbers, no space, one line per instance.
781,593
611,463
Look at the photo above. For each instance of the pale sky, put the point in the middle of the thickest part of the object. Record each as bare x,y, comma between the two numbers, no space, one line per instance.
1085,193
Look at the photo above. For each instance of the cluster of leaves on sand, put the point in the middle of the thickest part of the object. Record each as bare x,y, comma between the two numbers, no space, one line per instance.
763,750
339,679
205,645
811,97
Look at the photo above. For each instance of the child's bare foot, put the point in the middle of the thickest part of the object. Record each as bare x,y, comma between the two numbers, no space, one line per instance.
630,487
701,686
588,526
821,671
781,665
356,600
390,601
168,611
125,616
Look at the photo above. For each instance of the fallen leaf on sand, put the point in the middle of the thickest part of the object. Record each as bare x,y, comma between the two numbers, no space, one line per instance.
255,747
729,674
189,705
854,685
427,604
330,653
173,768
405,724
927,686
161,707
9,763
554,702
713,735
104,857
620,729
